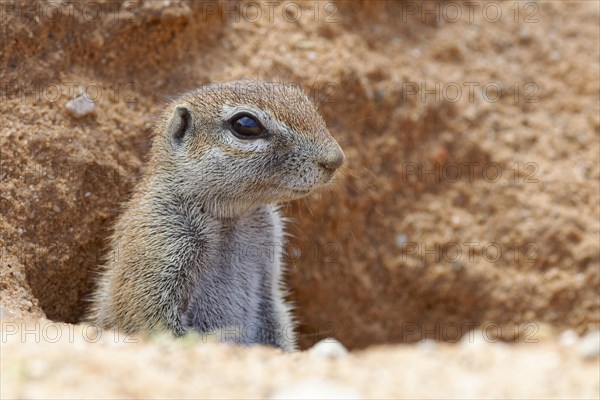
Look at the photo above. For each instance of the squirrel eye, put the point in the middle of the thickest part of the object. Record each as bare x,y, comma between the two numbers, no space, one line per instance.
247,127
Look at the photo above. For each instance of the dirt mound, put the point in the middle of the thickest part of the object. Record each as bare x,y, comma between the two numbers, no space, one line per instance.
53,365
471,189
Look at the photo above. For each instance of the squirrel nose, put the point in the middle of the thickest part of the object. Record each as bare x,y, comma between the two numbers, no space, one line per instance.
331,160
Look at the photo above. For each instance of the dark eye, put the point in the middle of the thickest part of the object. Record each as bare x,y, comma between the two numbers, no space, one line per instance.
247,127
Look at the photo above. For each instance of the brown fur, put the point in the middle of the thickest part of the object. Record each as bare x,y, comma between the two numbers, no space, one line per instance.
204,191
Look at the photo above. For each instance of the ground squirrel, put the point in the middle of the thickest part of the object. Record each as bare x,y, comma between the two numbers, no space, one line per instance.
223,156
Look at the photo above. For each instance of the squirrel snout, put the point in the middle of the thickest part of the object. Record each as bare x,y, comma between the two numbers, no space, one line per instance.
331,160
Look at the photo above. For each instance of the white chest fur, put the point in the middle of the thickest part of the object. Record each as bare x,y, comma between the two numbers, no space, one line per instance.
238,290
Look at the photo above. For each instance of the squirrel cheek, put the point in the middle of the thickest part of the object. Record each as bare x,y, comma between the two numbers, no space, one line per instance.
256,145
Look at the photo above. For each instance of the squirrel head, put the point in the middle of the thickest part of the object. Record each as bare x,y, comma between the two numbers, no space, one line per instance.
238,145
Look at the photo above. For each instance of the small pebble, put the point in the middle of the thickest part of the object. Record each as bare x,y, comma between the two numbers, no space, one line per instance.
401,239
5,315
525,36
328,348
81,106
568,338
589,345
379,95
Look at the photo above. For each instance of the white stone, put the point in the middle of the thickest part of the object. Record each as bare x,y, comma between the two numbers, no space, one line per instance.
589,345
568,338
401,239
81,106
328,348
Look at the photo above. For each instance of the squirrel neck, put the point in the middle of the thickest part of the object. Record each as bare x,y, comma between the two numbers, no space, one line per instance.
171,194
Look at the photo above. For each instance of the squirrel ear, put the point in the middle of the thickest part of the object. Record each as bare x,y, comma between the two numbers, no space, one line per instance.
181,124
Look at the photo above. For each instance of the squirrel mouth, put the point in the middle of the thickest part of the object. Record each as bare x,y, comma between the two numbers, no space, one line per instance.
290,193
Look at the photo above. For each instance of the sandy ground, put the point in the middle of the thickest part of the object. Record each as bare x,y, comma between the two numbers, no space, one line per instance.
470,196
60,361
